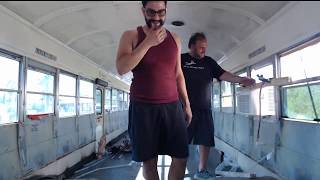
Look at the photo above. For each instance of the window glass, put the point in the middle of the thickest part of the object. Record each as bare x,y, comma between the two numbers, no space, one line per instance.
115,105
86,106
39,104
266,71
302,63
126,105
9,73
108,100
8,107
216,97
86,89
120,100
39,82
67,85
98,101
226,88
67,106
297,102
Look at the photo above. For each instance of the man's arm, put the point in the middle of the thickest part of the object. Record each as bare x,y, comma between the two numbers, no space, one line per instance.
127,56
227,76
221,74
181,81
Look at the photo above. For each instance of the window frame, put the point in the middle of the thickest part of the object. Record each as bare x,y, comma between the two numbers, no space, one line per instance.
293,49
232,86
116,100
80,78
101,102
219,88
283,105
270,60
110,99
20,90
59,95
125,100
297,83
121,101
45,69
246,70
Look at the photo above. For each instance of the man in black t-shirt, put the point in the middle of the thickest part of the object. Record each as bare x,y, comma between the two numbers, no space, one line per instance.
199,71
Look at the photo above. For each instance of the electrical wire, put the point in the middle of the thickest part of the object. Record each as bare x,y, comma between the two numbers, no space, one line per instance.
107,167
260,116
309,90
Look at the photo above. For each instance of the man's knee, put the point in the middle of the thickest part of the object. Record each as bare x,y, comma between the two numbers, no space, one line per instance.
150,164
179,161
177,169
150,168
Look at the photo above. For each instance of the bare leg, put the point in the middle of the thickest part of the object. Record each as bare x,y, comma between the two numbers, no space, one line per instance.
150,171
204,155
177,169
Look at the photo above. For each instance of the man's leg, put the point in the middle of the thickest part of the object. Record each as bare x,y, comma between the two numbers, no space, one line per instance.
176,140
144,136
204,137
177,169
150,171
204,155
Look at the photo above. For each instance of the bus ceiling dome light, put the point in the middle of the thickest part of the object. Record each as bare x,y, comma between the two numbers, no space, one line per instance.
177,23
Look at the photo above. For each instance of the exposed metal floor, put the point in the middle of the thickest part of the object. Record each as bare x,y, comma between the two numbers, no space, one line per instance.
118,167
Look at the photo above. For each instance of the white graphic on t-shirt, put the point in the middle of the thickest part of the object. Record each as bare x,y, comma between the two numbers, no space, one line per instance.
189,65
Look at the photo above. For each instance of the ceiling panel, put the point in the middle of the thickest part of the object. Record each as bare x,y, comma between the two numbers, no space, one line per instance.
93,28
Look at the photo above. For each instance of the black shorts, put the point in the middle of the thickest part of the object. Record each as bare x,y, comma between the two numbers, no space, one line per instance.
157,129
201,131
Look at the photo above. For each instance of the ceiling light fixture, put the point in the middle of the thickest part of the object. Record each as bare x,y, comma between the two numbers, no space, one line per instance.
177,23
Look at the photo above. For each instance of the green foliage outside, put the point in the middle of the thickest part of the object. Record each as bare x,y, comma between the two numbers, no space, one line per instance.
299,103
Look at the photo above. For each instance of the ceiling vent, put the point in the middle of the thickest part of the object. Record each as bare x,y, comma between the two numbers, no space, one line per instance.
177,23
257,52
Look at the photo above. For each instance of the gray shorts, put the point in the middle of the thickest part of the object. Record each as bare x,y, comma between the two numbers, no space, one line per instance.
201,130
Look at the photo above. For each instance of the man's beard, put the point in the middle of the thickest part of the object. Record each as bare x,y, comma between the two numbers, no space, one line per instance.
197,56
149,23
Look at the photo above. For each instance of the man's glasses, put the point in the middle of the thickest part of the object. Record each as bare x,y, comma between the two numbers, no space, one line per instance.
152,13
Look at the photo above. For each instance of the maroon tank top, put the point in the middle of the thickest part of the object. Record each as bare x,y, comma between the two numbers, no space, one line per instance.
154,78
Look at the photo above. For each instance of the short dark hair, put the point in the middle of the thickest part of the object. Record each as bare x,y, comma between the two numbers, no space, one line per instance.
196,37
144,3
